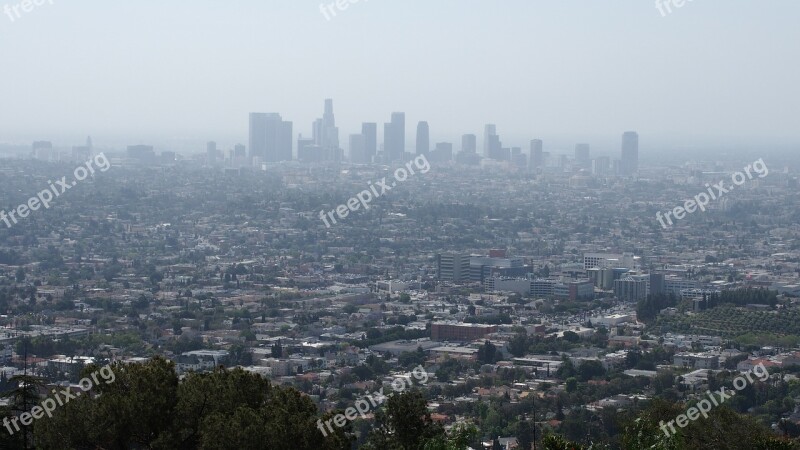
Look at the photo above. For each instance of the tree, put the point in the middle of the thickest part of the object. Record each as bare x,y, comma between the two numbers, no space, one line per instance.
518,345
487,353
404,423
277,350
147,407
572,385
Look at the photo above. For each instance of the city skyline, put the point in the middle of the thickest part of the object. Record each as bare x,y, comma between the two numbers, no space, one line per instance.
660,95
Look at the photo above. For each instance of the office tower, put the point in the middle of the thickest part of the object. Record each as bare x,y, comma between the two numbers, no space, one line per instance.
469,143
394,138
537,155
582,158
142,153
453,266
212,153
270,137
370,132
240,151
83,152
357,149
601,166
492,147
629,163
308,151
325,132
519,159
423,138
442,153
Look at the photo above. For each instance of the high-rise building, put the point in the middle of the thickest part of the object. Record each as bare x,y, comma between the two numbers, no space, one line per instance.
370,132
212,153
358,153
469,143
518,158
308,151
394,137
537,155
423,138
240,151
142,153
453,266
325,132
270,137
601,166
583,159
492,147
629,163
443,152
83,152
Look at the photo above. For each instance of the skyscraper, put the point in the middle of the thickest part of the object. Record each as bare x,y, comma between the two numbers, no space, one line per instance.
423,138
442,153
469,143
370,132
394,137
491,142
325,132
357,149
270,137
212,152
601,166
537,155
583,159
629,163
240,151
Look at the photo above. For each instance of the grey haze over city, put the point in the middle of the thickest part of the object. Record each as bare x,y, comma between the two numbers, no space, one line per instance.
176,74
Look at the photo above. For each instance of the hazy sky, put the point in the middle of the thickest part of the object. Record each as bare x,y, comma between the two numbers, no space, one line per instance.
558,69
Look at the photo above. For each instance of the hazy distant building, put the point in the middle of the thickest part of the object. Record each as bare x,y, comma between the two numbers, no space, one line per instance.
583,159
394,137
537,155
492,147
442,153
142,153
270,137
601,166
629,163
423,138
212,152
370,132
83,152
43,150
240,151
308,151
469,143
518,159
357,148
325,132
